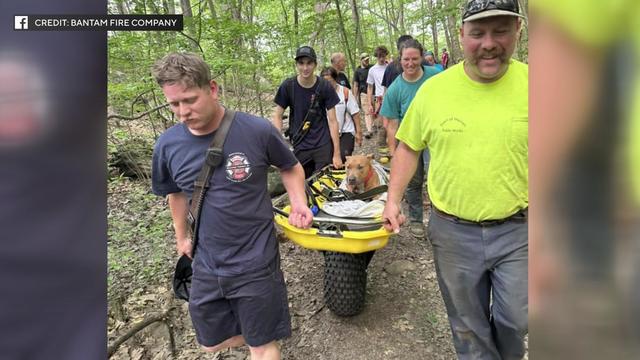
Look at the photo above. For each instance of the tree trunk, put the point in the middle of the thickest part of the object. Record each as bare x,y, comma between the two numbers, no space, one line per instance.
403,28
356,24
169,6
212,9
454,51
447,37
121,7
296,24
387,14
320,8
185,5
522,53
434,29
344,35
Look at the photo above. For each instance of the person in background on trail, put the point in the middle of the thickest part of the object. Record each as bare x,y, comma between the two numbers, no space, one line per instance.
445,59
395,68
313,128
390,74
236,264
396,102
430,60
374,83
360,88
339,62
474,120
347,114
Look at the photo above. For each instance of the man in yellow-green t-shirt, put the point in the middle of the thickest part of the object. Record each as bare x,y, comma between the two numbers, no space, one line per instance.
474,120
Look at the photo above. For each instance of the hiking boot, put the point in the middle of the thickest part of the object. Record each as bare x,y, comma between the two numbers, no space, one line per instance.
417,230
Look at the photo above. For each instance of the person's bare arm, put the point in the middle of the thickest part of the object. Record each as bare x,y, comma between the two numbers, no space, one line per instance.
356,123
276,118
179,206
403,166
335,137
293,180
370,98
392,129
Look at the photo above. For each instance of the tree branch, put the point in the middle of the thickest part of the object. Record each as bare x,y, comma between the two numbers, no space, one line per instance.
137,328
116,116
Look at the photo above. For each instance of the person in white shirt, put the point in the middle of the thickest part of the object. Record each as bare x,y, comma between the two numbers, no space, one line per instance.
347,114
374,81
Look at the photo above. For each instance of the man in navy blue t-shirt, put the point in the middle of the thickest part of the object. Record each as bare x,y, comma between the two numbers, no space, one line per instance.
237,292
320,144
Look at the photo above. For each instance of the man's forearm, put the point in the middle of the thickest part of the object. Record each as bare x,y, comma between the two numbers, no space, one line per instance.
333,131
293,181
392,128
179,206
370,94
276,118
403,166
356,122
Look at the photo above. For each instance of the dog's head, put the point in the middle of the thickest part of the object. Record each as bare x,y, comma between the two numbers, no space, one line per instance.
358,168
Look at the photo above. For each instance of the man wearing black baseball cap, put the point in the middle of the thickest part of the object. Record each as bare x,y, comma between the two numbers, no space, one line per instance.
313,127
473,117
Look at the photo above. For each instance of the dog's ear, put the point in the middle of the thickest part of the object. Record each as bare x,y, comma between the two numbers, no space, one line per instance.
370,156
347,159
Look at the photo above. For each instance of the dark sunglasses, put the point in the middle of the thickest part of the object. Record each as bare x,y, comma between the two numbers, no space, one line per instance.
476,6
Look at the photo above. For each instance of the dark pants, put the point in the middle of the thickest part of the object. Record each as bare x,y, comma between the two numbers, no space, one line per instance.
347,143
482,272
315,159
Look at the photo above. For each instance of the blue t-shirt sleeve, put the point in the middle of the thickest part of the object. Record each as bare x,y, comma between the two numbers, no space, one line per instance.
282,98
162,182
330,96
390,104
278,152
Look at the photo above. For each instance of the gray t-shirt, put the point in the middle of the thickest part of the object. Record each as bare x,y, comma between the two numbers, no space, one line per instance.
236,232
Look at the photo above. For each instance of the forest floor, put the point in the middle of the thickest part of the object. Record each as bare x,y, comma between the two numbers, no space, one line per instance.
403,318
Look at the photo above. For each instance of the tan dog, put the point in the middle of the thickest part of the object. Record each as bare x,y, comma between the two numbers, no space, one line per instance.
360,174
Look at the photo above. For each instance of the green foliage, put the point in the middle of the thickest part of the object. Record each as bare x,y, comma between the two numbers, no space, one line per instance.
139,233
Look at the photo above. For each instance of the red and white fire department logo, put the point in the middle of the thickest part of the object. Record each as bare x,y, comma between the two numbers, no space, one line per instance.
238,168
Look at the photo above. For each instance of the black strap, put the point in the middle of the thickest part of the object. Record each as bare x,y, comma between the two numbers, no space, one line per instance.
305,125
370,193
213,159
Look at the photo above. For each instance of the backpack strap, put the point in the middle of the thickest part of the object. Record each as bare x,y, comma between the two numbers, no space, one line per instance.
307,122
214,157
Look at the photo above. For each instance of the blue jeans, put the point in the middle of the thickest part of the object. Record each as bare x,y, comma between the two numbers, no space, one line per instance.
482,273
413,194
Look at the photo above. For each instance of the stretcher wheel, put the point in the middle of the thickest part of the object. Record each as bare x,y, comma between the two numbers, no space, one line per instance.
345,282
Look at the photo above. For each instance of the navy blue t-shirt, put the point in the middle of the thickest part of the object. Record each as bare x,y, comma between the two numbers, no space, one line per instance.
318,134
236,233
391,73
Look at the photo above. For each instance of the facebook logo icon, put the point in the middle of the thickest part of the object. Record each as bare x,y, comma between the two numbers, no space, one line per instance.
21,23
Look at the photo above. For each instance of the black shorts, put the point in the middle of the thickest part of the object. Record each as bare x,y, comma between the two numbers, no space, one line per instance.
253,305
347,143
313,160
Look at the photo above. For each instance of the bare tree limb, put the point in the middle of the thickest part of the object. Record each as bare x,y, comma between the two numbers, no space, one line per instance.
116,116
194,41
137,328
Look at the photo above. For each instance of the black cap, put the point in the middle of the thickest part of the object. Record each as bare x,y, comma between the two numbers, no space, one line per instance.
480,9
182,278
306,51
